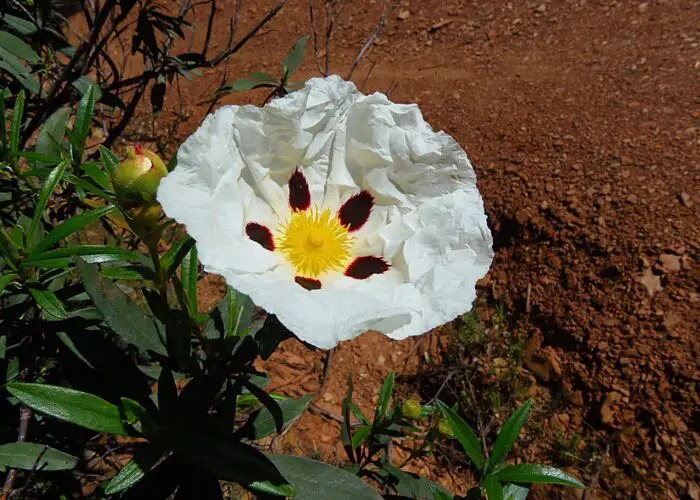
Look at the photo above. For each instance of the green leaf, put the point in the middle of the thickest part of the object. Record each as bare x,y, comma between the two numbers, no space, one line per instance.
173,257
8,248
493,487
318,481
16,126
295,56
464,434
144,459
509,433
24,456
109,159
189,273
94,172
237,462
360,436
69,405
51,135
264,422
68,227
49,304
231,317
411,485
513,491
439,493
264,77
18,47
19,25
536,473
10,63
345,427
83,85
49,187
108,253
243,84
384,399
5,280
83,121
124,317
132,273
167,393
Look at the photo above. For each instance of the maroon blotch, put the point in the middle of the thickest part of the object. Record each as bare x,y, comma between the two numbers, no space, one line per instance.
260,235
364,267
355,212
308,283
299,194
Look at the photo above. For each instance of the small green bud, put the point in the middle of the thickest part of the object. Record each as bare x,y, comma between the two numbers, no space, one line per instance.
445,428
137,178
411,408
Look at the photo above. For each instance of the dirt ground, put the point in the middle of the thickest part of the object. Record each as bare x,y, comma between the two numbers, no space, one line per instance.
582,118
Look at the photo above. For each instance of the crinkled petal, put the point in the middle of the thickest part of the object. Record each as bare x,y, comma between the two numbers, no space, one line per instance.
427,221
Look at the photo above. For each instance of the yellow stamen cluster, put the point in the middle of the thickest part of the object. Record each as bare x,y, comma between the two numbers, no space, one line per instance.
314,242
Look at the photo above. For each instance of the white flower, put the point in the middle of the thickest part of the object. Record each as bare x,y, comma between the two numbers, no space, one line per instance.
338,212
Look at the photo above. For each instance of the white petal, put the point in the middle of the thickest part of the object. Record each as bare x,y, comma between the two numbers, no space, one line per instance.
428,221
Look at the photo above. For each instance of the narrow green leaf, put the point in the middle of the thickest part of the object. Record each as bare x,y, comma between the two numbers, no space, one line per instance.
189,273
124,317
46,161
83,85
18,47
49,187
51,134
173,257
6,279
143,460
346,426
232,317
264,77
4,94
69,405
439,493
509,434
110,254
49,304
133,273
94,172
69,226
19,25
513,491
360,435
238,462
536,473
318,481
464,434
264,423
25,455
493,487
384,399
109,159
83,121
13,65
295,56
243,84
16,126
8,249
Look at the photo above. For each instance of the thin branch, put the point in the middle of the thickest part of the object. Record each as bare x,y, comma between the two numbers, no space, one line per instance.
25,415
389,7
314,32
210,24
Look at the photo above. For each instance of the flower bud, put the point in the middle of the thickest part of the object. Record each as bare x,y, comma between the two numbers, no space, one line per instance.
445,428
411,408
137,178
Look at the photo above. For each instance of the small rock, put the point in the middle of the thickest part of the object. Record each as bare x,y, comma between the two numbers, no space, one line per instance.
607,188
643,7
632,199
541,8
404,14
651,282
685,199
669,263
693,491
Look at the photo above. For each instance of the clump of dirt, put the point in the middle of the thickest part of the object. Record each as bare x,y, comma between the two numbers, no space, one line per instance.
581,118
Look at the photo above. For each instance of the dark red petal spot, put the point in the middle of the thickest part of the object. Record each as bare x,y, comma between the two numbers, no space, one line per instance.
299,194
355,212
364,267
308,283
260,235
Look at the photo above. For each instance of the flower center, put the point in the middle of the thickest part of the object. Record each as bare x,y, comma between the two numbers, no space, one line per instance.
314,242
